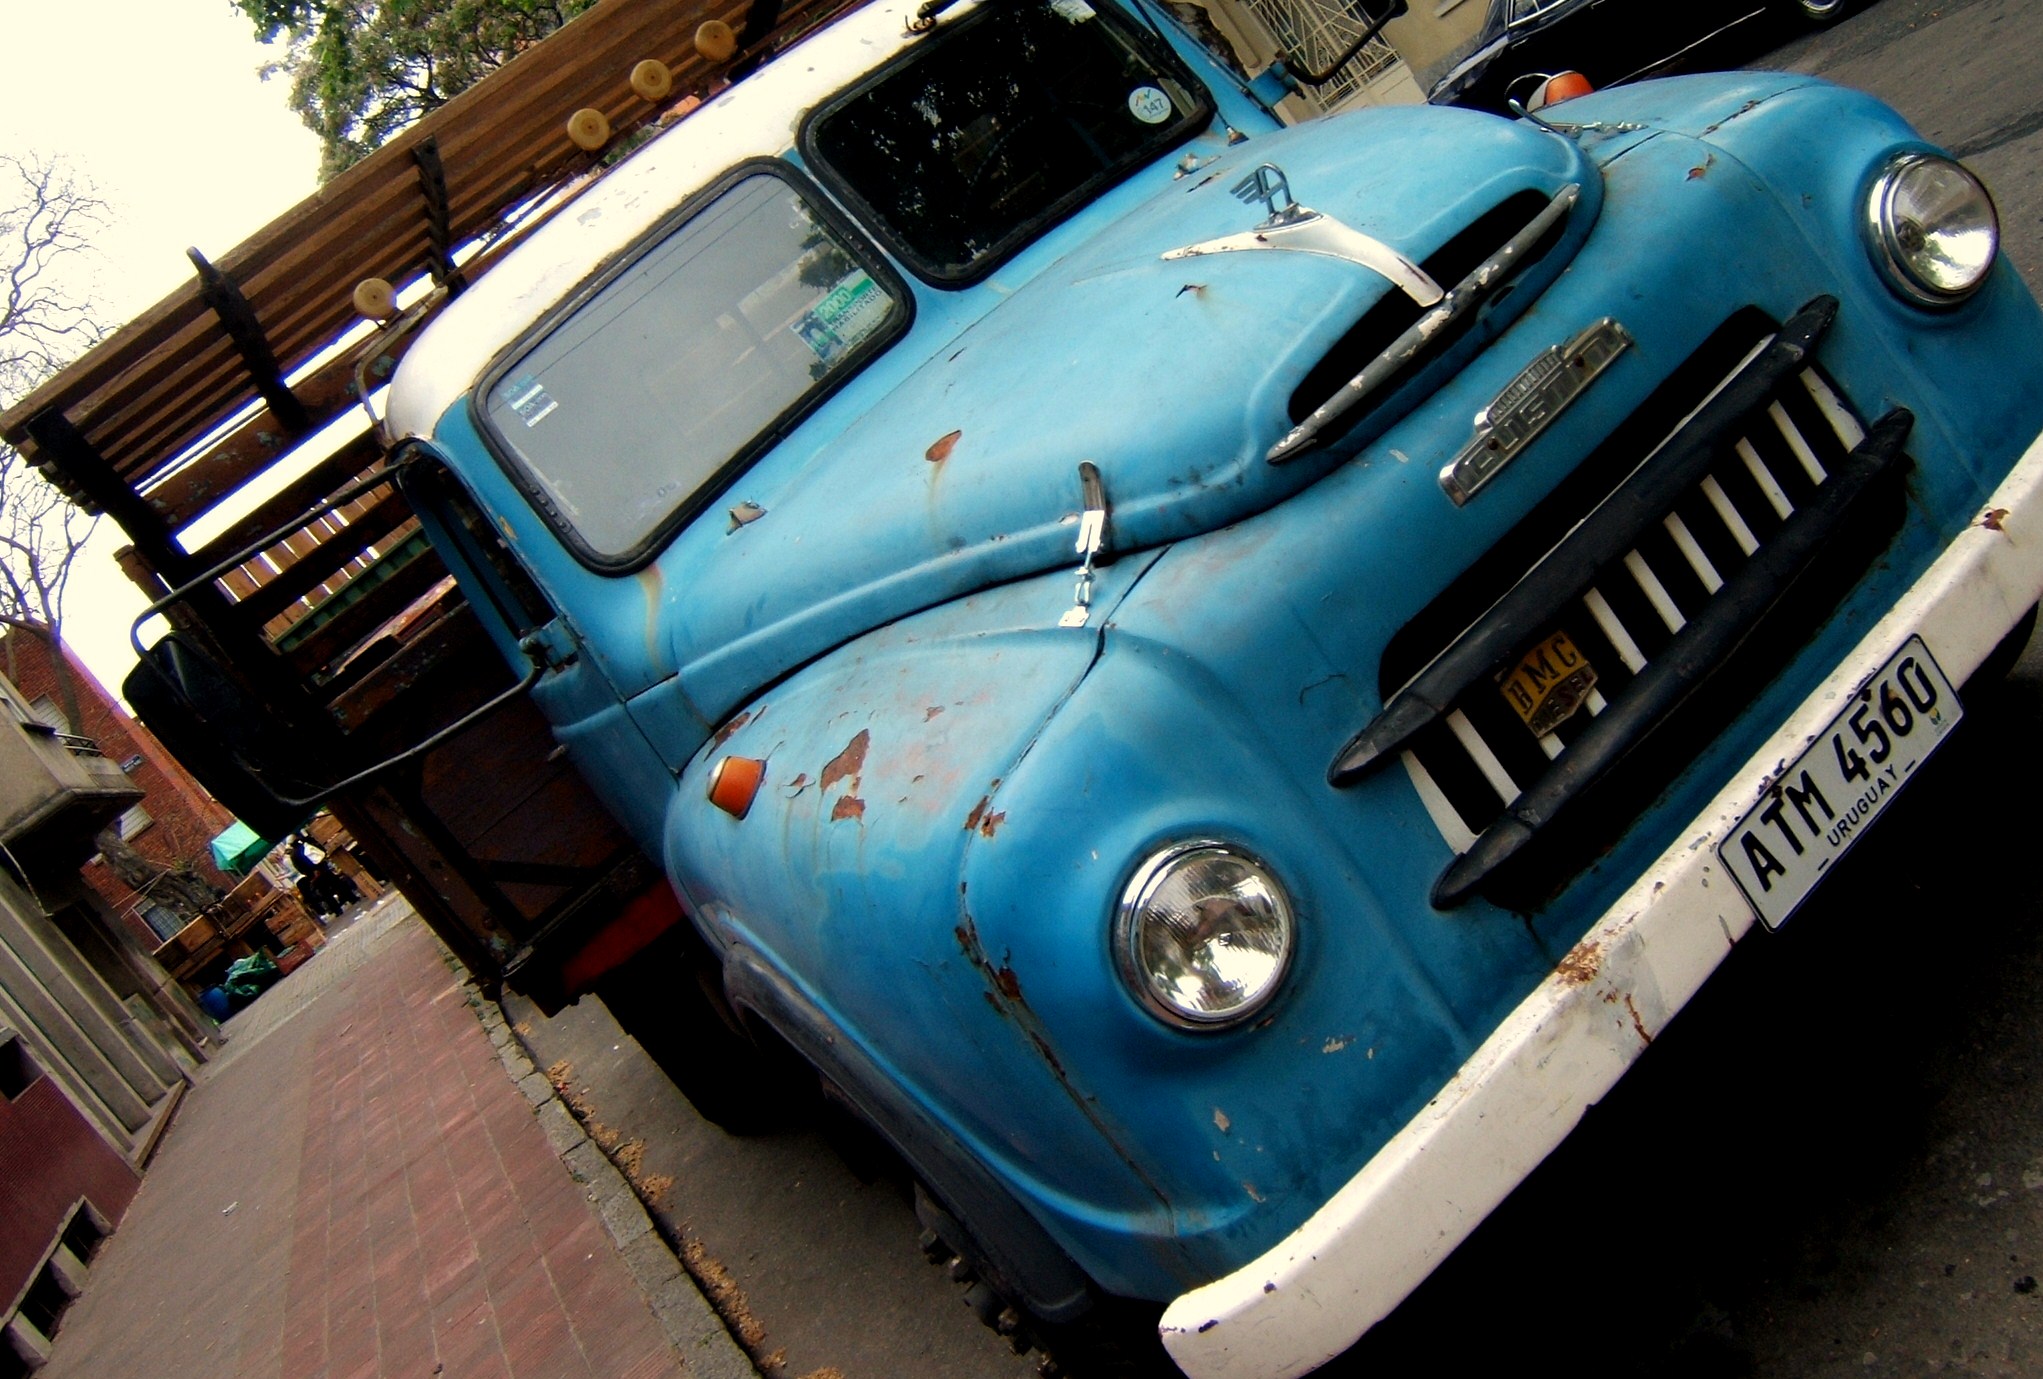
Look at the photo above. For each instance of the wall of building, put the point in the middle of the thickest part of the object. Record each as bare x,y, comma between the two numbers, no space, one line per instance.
118,1064
52,1163
1433,35
182,818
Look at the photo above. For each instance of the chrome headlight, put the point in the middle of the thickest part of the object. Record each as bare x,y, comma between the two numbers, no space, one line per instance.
1204,935
1933,228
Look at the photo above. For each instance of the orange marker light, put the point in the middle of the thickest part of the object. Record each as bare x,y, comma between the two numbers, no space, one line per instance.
735,783
1563,86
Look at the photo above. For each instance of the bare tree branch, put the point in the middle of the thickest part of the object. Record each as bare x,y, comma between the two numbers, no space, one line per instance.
47,219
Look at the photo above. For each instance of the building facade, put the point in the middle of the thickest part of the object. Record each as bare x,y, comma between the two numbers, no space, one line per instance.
96,1044
173,823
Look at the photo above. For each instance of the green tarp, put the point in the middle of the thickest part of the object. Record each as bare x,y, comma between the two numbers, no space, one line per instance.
239,849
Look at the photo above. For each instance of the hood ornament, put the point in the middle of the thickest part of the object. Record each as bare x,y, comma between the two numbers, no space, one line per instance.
1269,185
1302,230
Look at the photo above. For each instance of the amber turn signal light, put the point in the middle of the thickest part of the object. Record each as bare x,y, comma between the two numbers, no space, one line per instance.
1562,86
735,783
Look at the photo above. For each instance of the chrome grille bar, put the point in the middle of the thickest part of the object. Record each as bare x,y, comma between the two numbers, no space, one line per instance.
1607,534
1667,680
1461,814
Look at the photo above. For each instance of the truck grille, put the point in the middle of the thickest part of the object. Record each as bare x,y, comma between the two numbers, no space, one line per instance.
1685,543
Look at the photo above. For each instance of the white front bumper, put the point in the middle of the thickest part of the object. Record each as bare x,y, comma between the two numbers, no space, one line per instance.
1312,1295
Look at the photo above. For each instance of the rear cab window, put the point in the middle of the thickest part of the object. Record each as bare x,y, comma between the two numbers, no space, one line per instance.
627,411
999,124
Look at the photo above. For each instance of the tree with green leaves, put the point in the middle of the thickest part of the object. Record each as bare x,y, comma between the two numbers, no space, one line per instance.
361,70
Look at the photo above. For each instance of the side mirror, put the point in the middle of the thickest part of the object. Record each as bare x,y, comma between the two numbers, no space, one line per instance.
239,749
249,758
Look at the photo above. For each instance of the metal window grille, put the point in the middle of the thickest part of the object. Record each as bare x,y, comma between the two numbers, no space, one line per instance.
1318,31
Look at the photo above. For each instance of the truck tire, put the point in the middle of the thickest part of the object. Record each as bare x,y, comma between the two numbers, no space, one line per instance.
670,999
1114,1338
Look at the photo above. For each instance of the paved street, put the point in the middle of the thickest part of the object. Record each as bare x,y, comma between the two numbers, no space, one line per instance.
358,1188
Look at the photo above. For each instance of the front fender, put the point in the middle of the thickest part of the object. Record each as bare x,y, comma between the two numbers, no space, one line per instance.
840,898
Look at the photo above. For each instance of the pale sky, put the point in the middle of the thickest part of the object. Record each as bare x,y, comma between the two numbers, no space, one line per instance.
161,105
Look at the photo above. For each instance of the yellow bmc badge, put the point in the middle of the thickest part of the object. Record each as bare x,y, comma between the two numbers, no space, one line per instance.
1548,684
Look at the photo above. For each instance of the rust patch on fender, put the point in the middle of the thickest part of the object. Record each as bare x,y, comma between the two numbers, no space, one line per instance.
847,763
653,585
725,733
1992,518
940,449
1004,994
982,818
932,711
1581,965
848,807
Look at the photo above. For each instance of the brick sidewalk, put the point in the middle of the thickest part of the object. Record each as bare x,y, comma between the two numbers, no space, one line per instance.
362,1191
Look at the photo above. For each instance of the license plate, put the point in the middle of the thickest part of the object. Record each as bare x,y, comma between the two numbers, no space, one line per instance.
1548,684
1827,797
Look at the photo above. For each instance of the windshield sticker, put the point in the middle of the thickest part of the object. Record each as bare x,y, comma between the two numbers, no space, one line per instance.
1077,11
844,316
530,400
1149,105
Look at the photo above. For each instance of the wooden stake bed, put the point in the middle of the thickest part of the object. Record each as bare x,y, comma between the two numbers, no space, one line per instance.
350,625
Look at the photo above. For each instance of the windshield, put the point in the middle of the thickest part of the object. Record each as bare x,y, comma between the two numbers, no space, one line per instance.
1000,124
633,409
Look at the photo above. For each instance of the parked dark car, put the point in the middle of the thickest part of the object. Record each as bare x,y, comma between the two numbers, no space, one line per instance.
1608,41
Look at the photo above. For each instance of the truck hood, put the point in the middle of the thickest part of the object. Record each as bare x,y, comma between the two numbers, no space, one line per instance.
956,468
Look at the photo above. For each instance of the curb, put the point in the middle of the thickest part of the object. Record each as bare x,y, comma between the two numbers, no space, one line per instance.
693,1328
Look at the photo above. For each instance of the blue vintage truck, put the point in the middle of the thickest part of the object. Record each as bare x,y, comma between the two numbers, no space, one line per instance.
1264,663
1219,682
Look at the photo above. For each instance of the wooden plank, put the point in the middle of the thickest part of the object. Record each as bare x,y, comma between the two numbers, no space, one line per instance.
517,97
324,559
261,441
454,638
366,614
344,466
499,142
148,334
